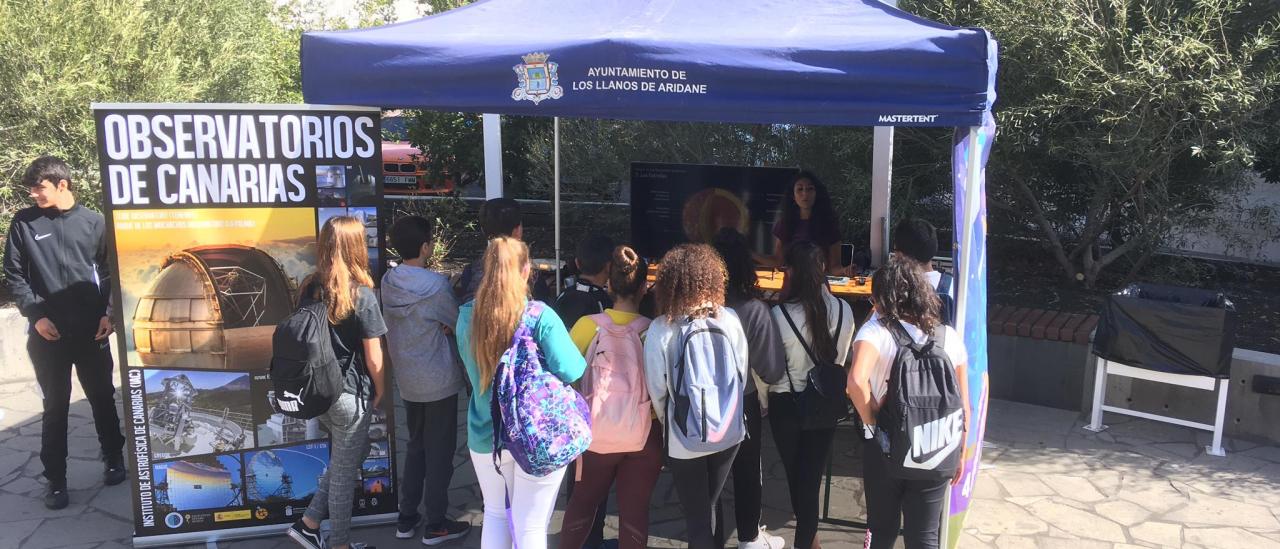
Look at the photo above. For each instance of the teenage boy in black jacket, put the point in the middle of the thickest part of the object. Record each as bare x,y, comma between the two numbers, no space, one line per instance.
55,265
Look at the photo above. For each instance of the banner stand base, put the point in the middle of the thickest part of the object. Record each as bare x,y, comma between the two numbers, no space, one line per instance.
211,538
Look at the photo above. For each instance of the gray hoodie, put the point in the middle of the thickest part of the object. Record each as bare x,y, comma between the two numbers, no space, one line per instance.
417,304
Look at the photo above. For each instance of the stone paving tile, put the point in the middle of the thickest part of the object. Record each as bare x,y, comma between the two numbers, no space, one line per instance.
1159,533
1077,522
14,532
83,528
1122,512
1076,488
1209,510
1229,537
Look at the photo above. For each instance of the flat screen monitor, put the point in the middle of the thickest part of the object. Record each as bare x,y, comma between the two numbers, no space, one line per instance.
676,203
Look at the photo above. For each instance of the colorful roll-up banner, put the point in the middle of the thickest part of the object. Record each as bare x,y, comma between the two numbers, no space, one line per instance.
971,150
212,212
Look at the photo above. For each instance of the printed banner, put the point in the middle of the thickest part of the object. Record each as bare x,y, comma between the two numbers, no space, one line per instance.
970,253
213,211
676,203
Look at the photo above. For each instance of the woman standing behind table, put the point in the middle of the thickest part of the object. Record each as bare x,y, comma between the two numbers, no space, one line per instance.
343,283
808,216
695,366
766,360
901,294
634,472
807,315
485,329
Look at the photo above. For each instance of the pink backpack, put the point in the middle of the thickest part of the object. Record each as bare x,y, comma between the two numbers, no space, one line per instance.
614,387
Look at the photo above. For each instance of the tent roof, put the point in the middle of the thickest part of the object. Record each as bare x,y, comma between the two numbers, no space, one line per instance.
835,62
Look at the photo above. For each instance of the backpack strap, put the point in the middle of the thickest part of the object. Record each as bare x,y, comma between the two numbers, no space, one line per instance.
899,332
809,351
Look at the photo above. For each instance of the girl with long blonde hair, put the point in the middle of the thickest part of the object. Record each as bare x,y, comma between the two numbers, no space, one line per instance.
485,329
342,281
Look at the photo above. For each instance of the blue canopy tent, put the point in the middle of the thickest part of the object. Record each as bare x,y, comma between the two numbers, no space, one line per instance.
827,62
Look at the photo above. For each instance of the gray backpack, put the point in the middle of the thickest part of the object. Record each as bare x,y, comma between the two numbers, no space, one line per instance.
706,386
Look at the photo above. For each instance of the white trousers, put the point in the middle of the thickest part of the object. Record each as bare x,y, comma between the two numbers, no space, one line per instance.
533,499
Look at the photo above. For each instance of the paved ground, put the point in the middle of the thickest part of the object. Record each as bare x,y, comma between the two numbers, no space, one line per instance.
1046,483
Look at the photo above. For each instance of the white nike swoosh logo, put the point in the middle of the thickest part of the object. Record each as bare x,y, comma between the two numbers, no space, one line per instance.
43,236
933,461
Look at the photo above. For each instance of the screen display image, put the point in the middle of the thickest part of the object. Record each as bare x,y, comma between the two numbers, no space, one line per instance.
192,484
282,475
196,412
676,203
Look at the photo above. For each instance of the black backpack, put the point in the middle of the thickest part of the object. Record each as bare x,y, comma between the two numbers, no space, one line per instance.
948,309
923,413
305,374
823,403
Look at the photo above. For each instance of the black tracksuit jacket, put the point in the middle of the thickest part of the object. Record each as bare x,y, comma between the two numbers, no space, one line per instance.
55,266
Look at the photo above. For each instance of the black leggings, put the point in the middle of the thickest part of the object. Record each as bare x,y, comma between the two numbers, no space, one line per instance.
698,483
747,481
804,458
915,505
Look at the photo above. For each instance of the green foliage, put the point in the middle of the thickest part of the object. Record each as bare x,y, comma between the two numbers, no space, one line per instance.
453,219
61,55
1123,120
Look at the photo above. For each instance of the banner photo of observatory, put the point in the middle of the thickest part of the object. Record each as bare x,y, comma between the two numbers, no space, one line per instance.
194,412
280,481
194,484
204,289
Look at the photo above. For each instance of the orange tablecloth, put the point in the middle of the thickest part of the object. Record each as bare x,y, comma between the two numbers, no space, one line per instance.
771,280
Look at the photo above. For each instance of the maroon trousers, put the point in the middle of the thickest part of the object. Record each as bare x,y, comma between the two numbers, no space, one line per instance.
634,474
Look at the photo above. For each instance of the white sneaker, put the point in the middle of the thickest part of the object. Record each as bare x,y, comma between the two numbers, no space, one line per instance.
764,541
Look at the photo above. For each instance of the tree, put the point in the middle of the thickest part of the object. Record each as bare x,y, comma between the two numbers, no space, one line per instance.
61,55
1123,119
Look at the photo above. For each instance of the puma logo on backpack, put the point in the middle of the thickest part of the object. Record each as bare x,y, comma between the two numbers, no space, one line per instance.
706,385
306,377
923,413
614,387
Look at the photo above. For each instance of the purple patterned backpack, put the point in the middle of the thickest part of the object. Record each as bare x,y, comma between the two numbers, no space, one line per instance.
540,420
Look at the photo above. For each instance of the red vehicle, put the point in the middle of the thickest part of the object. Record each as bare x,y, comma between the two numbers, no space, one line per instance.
403,172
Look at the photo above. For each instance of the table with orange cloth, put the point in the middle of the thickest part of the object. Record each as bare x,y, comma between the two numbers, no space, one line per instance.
770,281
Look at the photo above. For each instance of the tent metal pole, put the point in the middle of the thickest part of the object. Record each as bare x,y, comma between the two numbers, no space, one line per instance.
556,199
491,124
881,174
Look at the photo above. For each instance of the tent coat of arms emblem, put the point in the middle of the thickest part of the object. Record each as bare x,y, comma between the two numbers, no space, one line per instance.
538,79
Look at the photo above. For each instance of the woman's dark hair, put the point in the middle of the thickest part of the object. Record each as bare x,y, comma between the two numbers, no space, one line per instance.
806,280
733,249
823,215
691,276
629,274
900,291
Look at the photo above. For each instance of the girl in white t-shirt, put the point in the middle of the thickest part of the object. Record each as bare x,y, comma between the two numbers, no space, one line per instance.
900,293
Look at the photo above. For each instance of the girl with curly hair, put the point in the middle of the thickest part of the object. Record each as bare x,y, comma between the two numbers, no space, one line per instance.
694,339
